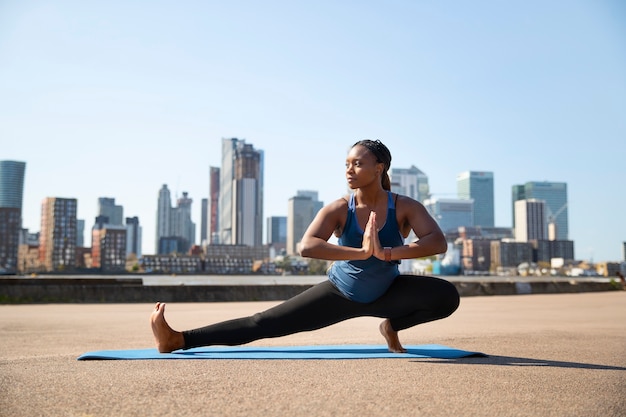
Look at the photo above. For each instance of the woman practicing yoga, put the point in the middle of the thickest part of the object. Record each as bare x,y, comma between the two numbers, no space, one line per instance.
371,225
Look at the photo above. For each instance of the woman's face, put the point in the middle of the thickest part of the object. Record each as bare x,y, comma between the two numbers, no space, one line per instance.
361,167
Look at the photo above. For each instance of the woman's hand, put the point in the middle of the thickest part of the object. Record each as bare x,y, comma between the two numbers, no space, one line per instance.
371,244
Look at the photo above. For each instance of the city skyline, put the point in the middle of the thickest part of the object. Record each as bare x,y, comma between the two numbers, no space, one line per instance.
116,99
109,203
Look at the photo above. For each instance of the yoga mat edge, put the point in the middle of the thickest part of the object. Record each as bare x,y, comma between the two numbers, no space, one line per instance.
285,352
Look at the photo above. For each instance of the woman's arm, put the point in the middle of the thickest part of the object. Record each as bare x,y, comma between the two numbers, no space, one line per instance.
315,243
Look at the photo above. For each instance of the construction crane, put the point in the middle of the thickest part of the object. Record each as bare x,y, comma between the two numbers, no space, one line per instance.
552,221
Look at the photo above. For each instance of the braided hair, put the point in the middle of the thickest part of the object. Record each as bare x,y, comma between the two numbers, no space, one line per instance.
383,156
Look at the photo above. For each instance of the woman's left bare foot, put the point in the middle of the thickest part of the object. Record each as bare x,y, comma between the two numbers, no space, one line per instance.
391,336
167,339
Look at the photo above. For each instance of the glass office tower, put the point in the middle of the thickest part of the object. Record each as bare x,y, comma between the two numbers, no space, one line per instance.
478,186
555,196
11,194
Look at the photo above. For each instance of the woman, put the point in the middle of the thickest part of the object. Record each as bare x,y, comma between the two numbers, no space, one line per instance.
371,225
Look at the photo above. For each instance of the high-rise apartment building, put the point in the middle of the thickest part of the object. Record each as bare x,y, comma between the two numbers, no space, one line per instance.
11,194
410,182
301,211
555,196
530,220
57,238
451,213
241,194
108,208
108,246
10,226
478,186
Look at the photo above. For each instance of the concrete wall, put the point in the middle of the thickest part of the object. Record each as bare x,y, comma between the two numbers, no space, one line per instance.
132,290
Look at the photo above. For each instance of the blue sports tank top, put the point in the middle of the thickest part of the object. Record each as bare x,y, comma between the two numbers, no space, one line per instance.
366,280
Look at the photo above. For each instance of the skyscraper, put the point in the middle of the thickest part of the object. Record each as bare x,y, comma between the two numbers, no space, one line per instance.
301,211
478,186
204,220
530,220
518,192
241,194
11,193
214,199
108,208
277,230
174,223
80,233
410,182
276,234
133,236
181,224
555,196
57,238
163,217
11,183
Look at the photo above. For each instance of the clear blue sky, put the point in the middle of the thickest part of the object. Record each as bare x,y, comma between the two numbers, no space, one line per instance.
116,98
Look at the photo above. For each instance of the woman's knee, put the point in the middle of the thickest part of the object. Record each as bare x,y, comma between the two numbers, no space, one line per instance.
452,298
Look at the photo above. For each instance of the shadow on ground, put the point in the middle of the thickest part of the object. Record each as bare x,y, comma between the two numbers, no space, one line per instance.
516,361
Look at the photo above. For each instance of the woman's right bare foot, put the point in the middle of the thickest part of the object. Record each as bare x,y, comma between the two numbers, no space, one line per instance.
391,336
167,339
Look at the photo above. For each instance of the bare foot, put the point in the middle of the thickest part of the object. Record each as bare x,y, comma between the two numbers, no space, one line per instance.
391,336
167,339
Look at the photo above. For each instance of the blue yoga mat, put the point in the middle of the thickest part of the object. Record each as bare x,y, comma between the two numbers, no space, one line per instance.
286,352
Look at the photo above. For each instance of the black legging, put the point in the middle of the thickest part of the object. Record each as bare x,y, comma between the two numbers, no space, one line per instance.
410,300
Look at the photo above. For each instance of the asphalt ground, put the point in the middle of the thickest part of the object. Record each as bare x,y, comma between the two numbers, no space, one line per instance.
549,355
